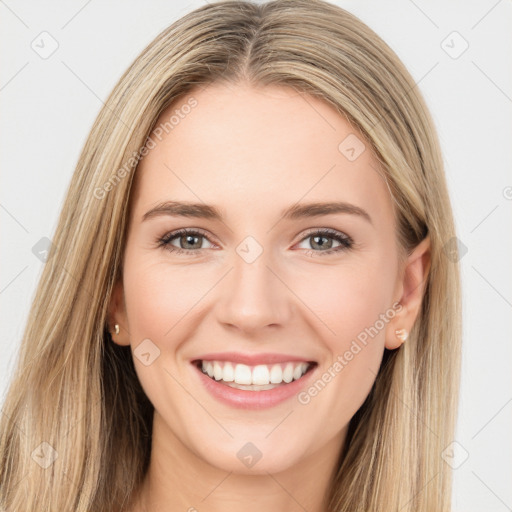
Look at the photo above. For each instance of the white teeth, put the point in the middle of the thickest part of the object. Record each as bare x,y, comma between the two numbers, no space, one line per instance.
288,373
252,387
297,372
208,368
229,373
217,371
276,374
243,374
261,376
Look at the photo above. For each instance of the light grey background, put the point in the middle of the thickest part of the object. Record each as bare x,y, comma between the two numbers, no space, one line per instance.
49,104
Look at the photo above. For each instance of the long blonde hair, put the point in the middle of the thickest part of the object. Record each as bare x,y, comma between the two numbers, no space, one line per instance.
76,424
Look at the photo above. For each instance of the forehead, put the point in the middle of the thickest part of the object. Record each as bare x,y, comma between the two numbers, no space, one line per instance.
253,148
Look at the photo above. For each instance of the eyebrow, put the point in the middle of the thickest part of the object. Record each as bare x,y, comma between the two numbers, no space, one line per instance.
297,211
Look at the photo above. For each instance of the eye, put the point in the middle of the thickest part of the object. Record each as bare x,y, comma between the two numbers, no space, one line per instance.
320,240
189,241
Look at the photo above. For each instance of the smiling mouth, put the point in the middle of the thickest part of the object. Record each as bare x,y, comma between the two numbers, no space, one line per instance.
254,378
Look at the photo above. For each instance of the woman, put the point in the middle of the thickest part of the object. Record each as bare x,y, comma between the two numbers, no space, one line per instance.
303,352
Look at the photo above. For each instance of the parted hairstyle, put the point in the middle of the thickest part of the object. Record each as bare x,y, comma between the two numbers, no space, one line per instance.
77,391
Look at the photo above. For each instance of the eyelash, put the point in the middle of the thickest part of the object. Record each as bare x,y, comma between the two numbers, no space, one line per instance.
345,241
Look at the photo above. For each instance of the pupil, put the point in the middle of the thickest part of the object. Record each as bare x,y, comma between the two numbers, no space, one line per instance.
315,238
190,238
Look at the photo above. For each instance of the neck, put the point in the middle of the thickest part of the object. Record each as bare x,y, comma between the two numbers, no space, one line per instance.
177,479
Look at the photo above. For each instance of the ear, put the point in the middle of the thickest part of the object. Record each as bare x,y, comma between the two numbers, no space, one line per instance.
117,315
411,287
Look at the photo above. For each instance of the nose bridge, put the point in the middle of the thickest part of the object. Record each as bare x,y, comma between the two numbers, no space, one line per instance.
253,296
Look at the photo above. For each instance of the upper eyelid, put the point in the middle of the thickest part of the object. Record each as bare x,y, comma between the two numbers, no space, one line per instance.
184,231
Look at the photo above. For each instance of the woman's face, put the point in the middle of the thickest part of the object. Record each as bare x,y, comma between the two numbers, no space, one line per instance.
253,286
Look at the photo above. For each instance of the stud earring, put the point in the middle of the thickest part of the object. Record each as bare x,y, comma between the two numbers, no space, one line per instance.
401,334
116,328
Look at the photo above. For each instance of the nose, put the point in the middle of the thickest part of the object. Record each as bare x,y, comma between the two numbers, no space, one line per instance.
254,296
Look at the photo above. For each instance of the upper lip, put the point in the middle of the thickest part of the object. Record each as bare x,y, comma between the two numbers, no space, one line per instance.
252,359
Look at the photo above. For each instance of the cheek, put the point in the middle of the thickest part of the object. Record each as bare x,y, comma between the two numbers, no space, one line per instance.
160,300
158,295
346,299
353,309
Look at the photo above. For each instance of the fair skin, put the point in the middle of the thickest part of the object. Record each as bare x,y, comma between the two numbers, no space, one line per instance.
253,153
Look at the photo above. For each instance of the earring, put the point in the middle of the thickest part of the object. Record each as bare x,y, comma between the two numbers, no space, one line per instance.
401,334
116,328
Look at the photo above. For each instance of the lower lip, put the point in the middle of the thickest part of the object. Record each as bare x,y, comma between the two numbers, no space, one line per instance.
244,399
